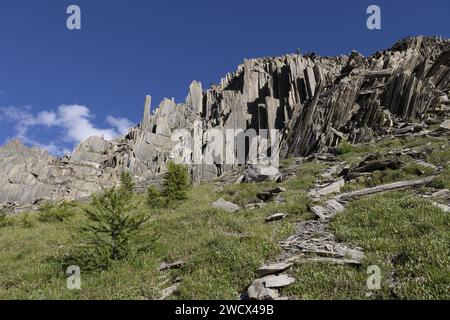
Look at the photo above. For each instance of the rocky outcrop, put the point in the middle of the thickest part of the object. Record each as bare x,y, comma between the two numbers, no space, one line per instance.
314,102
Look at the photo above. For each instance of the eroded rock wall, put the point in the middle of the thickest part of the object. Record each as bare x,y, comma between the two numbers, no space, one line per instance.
313,101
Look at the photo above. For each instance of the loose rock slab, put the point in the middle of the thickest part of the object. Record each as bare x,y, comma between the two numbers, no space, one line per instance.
167,292
257,291
277,281
328,189
329,210
265,288
260,172
226,205
276,217
273,268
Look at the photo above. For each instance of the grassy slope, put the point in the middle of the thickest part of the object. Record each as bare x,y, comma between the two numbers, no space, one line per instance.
220,264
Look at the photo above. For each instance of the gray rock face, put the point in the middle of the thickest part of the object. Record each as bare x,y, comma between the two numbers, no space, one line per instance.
276,217
313,101
259,172
226,205
273,268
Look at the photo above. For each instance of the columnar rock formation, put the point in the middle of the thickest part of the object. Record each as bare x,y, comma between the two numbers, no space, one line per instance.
314,101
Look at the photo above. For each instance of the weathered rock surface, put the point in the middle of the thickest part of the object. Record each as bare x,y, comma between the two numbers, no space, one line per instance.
225,205
273,268
313,237
314,101
259,173
167,292
276,217
266,288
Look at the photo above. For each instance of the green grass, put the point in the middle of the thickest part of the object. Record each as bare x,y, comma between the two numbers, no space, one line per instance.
219,263
402,234
399,232
409,171
406,227
442,181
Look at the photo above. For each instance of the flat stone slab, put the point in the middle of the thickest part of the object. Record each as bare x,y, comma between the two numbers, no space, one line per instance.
226,205
445,124
276,217
273,268
337,261
333,187
329,210
277,281
167,292
257,291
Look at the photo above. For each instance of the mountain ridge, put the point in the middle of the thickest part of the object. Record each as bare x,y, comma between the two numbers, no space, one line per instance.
315,102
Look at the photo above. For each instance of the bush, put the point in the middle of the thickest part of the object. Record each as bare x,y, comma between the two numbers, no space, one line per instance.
155,199
176,182
49,212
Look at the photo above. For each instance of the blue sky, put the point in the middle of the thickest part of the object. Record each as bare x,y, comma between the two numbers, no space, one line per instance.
57,86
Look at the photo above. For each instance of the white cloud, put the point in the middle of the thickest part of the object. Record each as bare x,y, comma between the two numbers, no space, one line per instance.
121,124
74,121
47,118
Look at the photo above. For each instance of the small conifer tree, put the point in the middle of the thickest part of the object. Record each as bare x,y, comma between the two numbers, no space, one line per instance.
111,222
126,182
176,182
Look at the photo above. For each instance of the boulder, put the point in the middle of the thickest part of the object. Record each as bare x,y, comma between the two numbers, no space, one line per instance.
445,125
276,217
257,291
278,281
167,292
259,173
226,205
278,267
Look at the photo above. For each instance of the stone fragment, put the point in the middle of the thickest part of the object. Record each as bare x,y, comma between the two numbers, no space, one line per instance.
445,125
276,217
273,268
257,291
259,173
226,205
167,292
277,281
333,187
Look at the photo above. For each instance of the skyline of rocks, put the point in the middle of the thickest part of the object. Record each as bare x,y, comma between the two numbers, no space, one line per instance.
314,102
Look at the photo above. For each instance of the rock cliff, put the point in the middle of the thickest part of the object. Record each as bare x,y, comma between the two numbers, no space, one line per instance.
313,101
